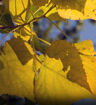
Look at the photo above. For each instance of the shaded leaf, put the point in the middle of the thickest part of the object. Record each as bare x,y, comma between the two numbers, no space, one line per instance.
42,7
39,46
5,19
40,2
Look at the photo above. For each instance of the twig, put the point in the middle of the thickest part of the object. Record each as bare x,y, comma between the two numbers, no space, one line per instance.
59,29
44,41
9,33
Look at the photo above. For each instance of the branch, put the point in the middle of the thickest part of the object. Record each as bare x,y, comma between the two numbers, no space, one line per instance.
59,29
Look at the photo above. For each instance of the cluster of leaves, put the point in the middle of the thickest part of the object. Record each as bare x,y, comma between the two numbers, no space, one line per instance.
60,76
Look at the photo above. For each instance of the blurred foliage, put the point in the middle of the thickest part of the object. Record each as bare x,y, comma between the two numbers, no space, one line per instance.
45,29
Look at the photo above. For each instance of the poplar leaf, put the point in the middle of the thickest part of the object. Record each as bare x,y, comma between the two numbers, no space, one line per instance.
53,13
16,73
89,62
43,7
18,10
85,47
53,88
67,74
78,9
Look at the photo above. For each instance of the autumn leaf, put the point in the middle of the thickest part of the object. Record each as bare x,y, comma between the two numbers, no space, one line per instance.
76,10
65,75
16,73
18,10
85,47
52,88
89,62
74,55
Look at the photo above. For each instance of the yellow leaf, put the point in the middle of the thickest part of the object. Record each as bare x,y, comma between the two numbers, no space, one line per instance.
40,2
52,88
18,9
25,33
86,47
77,57
16,74
78,9
89,62
52,14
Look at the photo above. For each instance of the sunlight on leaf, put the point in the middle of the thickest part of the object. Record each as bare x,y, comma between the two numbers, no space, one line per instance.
73,55
70,57
16,74
52,88
78,9
89,62
25,33
67,74
18,10
85,47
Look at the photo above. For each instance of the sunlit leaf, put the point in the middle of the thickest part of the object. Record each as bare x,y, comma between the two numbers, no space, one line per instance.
70,55
18,10
53,87
41,7
67,74
16,73
85,47
53,13
89,62
25,33
78,9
